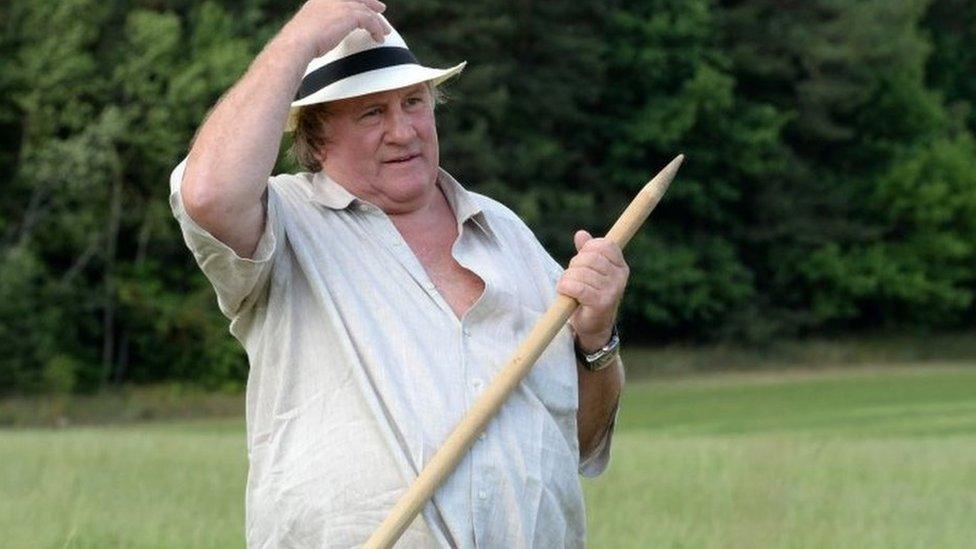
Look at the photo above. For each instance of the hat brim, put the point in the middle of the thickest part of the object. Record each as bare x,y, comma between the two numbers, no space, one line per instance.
379,80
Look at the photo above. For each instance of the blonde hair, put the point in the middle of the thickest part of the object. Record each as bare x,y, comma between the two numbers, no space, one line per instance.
310,133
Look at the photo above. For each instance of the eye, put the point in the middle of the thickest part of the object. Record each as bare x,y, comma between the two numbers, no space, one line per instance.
371,113
414,101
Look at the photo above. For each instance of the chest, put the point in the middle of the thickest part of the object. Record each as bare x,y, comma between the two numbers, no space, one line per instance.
459,287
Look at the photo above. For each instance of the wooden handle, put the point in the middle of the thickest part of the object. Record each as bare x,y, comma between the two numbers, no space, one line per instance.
447,457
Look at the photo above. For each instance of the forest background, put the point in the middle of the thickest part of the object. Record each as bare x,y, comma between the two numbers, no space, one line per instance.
829,186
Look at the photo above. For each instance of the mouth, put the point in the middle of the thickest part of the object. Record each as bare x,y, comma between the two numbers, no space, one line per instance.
402,159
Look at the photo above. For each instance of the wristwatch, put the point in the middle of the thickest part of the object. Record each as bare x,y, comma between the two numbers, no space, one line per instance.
602,357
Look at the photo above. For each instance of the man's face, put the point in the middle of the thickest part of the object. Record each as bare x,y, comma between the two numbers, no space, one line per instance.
383,147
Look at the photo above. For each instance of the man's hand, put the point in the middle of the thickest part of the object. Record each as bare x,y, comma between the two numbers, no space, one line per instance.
322,24
596,278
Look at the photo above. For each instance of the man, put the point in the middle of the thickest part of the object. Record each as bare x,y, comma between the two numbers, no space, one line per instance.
376,298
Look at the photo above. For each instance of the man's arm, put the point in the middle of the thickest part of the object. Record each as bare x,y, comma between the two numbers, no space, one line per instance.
596,278
599,395
235,150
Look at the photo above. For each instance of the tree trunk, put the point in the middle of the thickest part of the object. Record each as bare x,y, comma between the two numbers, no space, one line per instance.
142,247
108,316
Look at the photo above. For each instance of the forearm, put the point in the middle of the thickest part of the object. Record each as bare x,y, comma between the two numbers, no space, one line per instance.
237,146
599,395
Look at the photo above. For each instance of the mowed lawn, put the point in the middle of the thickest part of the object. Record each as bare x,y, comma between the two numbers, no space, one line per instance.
863,458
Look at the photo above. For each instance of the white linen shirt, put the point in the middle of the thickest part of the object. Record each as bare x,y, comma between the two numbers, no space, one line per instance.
359,370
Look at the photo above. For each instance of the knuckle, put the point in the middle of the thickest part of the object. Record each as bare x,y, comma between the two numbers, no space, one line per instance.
590,294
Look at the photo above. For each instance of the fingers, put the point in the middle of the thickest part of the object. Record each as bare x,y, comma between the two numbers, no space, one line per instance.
368,18
586,292
324,23
597,275
580,239
373,24
585,242
603,255
583,287
593,260
375,5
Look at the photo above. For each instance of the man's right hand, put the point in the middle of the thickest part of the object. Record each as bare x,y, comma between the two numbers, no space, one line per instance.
235,149
322,24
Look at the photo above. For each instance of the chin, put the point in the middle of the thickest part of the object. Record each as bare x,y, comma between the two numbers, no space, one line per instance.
409,189
416,182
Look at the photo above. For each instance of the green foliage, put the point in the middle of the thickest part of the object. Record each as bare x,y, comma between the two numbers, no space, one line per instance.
105,98
829,182
681,288
22,332
919,270
951,28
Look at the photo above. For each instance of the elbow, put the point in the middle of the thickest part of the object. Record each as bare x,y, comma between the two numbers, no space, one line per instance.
205,197
199,197
586,445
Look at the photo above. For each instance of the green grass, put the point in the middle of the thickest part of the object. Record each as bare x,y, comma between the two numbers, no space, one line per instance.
834,458
177,485
876,458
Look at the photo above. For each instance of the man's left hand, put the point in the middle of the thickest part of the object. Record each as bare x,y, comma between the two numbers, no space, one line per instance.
596,277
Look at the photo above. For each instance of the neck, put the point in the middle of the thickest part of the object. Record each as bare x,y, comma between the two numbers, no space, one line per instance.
434,213
405,203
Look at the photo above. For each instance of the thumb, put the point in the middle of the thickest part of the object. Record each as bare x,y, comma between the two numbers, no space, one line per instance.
581,237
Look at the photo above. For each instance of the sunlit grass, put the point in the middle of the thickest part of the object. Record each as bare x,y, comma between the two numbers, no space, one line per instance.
785,491
865,458
150,486
876,458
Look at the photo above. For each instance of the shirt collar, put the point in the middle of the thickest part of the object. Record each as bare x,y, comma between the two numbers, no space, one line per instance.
326,191
463,203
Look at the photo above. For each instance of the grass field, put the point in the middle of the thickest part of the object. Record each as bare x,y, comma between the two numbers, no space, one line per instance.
863,458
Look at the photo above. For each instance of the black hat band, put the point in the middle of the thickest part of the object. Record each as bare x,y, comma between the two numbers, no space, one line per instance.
351,65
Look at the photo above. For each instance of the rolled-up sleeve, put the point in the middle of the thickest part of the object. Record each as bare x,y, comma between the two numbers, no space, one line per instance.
237,280
598,460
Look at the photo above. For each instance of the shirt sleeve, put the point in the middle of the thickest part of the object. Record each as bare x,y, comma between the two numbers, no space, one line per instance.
237,280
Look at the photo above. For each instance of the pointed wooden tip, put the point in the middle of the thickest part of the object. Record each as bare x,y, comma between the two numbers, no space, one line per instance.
663,179
672,167
642,204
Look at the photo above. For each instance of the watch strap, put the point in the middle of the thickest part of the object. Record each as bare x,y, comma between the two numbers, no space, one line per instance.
602,357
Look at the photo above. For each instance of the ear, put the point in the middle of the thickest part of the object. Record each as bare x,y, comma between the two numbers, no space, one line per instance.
319,152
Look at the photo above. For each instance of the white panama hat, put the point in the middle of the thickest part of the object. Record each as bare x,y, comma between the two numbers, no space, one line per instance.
359,65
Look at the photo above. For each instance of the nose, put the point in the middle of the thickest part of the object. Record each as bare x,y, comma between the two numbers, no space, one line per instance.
400,127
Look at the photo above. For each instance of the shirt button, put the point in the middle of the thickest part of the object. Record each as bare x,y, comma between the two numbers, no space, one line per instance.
466,332
481,436
476,383
482,494
363,208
